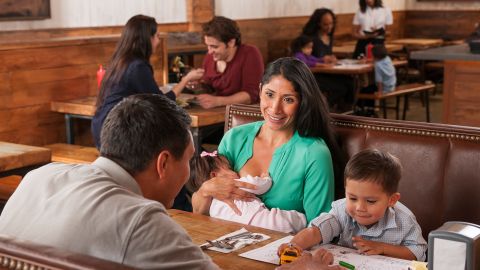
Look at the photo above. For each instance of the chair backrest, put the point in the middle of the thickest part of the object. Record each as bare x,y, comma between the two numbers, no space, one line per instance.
440,180
16,254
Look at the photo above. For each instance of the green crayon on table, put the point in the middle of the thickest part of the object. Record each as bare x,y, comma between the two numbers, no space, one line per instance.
346,265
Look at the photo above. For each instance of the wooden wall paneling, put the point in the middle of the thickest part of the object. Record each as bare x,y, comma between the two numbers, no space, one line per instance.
36,73
5,90
81,32
445,24
461,93
273,35
199,12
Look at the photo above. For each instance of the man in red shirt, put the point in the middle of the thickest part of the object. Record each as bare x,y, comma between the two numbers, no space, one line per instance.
232,69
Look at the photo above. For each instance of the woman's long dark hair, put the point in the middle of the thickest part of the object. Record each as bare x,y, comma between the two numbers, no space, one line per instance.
135,42
312,117
312,27
363,5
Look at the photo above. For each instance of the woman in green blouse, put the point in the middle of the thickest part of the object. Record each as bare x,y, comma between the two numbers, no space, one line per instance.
293,144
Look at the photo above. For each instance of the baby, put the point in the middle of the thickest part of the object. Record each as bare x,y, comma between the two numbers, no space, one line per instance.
255,213
370,218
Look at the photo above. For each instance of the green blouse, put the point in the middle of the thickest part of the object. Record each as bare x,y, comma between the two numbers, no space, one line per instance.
301,170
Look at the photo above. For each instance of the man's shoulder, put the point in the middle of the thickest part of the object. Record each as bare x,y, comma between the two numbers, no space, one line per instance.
249,49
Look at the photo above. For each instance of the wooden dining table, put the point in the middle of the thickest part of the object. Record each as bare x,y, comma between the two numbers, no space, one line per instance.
202,228
354,70
417,43
84,108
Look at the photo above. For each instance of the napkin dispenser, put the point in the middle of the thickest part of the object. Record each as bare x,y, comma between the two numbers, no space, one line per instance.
454,246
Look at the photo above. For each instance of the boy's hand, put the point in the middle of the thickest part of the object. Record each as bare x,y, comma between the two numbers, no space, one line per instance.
368,247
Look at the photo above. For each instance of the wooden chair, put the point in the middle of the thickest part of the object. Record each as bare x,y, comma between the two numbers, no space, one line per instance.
401,91
70,153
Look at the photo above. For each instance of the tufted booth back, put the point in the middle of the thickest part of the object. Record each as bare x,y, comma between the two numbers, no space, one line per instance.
441,163
18,254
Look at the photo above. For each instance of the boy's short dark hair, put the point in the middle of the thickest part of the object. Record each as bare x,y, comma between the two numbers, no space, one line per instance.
375,166
379,51
223,29
141,126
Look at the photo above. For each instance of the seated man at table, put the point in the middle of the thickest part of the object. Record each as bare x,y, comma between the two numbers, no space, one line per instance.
115,208
232,69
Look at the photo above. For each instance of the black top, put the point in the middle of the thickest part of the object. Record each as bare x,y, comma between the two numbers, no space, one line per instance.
321,49
137,79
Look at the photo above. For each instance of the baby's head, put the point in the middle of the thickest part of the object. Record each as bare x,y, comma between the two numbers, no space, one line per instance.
302,44
371,184
208,165
205,166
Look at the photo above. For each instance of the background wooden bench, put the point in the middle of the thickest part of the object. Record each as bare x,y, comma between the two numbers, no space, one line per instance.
20,158
70,153
8,185
403,90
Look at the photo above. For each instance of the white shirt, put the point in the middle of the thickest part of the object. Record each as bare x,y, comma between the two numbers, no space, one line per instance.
373,19
98,210
257,214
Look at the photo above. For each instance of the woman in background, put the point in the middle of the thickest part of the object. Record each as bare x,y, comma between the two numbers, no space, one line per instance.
338,88
321,28
370,24
129,71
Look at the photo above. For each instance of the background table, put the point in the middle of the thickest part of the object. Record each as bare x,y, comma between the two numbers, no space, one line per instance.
84,108
201,228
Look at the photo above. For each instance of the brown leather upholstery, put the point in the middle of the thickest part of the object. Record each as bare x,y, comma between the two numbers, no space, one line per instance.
15,254
441,163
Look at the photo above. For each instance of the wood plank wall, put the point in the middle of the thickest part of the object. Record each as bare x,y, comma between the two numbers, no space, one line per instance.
33,74
29,78
273,42
448,25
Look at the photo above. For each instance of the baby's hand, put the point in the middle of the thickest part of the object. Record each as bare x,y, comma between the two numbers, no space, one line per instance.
367,247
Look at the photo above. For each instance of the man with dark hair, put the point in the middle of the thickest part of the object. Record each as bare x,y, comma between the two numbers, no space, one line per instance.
115,208
231,68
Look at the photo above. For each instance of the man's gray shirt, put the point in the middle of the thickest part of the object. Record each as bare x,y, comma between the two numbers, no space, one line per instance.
99,210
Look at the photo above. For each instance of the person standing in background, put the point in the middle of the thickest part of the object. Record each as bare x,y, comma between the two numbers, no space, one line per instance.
370,24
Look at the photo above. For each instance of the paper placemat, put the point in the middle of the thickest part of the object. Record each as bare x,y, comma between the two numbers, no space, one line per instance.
242,242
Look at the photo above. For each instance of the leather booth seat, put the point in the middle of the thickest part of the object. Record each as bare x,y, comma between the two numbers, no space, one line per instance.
441,163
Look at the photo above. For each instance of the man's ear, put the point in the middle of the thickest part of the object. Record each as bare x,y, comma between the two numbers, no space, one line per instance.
231,43
393,199
163,160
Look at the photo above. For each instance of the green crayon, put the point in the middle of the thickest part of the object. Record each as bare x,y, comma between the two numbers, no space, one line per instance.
346,265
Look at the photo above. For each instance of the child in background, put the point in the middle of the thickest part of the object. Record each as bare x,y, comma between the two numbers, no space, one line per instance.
208,165
370,218
302,48
385,80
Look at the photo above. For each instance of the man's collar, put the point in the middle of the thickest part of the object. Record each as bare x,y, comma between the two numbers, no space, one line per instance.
118,174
